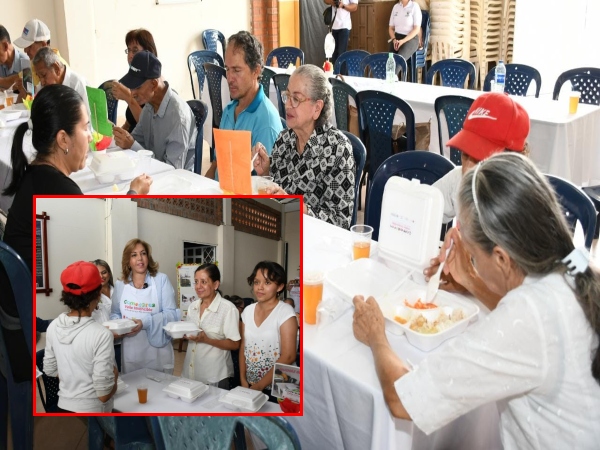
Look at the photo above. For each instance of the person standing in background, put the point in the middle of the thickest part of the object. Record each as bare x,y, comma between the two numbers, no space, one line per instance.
342,24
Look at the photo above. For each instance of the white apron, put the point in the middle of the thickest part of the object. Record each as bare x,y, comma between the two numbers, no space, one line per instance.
137,351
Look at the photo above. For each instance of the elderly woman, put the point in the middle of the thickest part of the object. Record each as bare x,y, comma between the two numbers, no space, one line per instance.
145,296
311,157
536,354
405,28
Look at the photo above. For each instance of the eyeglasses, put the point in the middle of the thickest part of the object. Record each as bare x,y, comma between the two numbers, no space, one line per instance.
132,51
295,101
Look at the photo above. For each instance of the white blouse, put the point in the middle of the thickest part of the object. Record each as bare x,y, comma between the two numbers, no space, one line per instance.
404,19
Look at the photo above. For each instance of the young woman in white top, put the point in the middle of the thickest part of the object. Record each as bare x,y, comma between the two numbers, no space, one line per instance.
102,313
208,356
79,351
269,329
405,28
536,354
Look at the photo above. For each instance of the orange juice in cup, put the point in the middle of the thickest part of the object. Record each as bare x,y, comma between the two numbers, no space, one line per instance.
142,390
361,250
312,294
9,100
361,241
574,102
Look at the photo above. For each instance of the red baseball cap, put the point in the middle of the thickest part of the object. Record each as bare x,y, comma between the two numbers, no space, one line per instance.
80,278
494,122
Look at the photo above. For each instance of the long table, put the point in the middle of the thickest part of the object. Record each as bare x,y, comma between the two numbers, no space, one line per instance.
343,401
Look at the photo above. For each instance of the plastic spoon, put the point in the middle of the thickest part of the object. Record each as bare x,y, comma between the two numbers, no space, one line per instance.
434,282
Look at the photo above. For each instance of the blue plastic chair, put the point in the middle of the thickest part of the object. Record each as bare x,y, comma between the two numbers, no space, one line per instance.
593,192
214,77
50,400
111,101
341,91
585,80
455,109
197,60
210,38
127,432
518,79
14,395
265,80
419,58
576,206
376,65
285,56
348,63
200,111
360,157
281,81
453,73
427,167
199,432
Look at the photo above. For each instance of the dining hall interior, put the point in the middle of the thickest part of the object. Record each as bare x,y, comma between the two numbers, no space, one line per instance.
364,367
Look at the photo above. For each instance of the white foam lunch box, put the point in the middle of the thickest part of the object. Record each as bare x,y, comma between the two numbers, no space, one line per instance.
120,326
186,390
245,398
113,166
177,329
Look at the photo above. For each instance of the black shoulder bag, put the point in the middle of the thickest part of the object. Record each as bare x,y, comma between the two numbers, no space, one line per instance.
329,16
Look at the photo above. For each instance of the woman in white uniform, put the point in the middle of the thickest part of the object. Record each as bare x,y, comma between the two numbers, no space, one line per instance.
102,313
208,356
405,27
145,296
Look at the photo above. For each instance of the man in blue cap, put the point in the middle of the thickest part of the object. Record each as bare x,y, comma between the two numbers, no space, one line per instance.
166,125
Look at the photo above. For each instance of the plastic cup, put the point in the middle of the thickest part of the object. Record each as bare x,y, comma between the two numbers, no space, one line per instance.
262,183
11,99
168,369
142,390
361,241
144,160
312,294
574,101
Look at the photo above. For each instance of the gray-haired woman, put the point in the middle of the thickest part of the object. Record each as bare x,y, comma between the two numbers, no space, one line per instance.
311,157
537,353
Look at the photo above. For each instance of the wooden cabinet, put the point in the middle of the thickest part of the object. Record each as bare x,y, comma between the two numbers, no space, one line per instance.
370,25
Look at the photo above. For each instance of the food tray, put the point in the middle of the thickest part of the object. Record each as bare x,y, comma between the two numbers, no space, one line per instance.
109,167
120,326
8,115
245,398
177,329
186,390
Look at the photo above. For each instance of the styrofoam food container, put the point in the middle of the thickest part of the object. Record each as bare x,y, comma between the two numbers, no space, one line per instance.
120,326
177,329
121,386
186,390
8,115
245,398
113,166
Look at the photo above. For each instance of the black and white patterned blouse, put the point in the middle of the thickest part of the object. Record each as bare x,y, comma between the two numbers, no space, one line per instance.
324,173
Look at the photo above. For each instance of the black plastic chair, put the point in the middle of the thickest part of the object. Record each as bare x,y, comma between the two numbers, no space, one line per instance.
285,56
50,400
127,432
376,65
210,38
281,81
453,73
265,80
576,206
200,111
427,167
585,80
518,79
348,63
341,92
197,60
214,76
111,102
360,157
455,109
419,58
16,396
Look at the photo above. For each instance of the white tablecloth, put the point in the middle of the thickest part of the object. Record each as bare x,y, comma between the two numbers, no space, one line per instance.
343,402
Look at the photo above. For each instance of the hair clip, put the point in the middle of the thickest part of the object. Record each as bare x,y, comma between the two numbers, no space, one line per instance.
577,261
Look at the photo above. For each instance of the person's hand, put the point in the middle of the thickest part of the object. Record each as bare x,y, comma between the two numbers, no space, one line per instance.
122,138
458,264
447,281
116,372
20,89
244,383
120,92
275,189
136,329
305,208
141,184
397,44
200,337
261,162
368,324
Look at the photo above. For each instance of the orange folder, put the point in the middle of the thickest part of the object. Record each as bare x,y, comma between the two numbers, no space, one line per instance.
234,156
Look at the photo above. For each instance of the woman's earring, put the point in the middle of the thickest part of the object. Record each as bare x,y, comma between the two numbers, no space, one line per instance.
66,151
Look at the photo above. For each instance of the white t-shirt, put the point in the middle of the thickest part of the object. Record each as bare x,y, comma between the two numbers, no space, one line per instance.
342,18
404,19
263,344
449,185
221,320
102,314
531,355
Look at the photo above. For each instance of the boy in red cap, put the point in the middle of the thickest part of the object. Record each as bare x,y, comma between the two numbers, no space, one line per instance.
494,123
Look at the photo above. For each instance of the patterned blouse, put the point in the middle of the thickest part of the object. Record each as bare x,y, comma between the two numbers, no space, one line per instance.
324,173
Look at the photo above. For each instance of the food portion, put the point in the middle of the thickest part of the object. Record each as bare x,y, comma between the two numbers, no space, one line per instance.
420,305
443,321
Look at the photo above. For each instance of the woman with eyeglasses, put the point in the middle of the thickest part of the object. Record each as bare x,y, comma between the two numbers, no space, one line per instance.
136,41
311,157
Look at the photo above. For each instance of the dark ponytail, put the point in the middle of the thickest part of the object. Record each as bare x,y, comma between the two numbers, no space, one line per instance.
54,108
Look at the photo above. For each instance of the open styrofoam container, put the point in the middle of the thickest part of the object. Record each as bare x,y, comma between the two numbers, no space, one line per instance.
120,326
186,390
109,167
244,398
177,329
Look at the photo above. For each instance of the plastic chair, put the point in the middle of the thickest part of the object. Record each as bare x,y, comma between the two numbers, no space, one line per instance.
419,58
200,111
281,81
376,64
265,80
360,157
576,206
453,73
283,123
127,432
285,56
341,91
111,101
50,400
427,167
214,76
14,395
518,79
210,38
455,109
350,62
198,432
593,192
197,59
585,80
